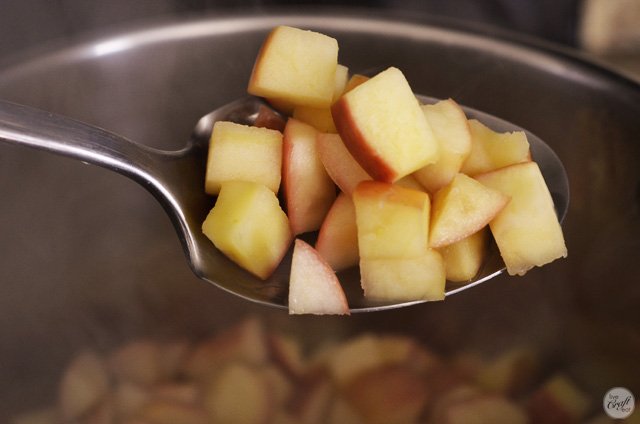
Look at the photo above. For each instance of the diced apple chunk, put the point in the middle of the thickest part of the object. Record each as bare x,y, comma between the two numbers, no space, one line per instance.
248,225
392,221
464,258
319,118
308,190
451,129
527,230
384,128
461,208
259,148
343,169
314,287
337,239
404,279
296,66
491,150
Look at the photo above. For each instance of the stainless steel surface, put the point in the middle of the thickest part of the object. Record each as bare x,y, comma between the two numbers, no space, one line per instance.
176,180
151,84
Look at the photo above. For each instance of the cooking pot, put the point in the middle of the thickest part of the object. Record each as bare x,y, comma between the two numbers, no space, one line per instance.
89,259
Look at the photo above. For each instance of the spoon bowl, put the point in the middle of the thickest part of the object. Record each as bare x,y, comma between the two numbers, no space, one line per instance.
176,180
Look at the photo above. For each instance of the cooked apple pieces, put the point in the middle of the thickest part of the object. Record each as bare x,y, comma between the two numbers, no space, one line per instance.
248,225
527,231
410,193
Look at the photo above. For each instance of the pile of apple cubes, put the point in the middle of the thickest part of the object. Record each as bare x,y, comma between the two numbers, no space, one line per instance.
421,187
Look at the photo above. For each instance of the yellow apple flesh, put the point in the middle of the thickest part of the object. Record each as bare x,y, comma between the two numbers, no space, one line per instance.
464,258
527,230
384,128
337,239
404,279
248,225
392,221
461,208
296,66
451,129
491,150
259,148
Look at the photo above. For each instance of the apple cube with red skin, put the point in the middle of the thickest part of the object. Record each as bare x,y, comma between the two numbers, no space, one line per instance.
464,258
248,225
527,230
381,123
451,129
314,288
392,221
260,151
343,169
337,239
296,66
308,190
491,150
461,208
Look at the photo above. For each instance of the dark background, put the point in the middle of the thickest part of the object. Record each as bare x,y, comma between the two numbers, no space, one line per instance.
25,24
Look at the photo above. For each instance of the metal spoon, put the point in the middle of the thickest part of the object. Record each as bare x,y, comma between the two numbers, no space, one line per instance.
176,180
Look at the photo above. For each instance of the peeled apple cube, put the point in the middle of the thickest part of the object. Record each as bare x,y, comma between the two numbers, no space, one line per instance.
527,230
392,221
296,66
242,152
248,225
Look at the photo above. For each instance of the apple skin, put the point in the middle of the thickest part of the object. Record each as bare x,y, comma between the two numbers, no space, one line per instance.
314,288
343,169
337,239
307,188
381,123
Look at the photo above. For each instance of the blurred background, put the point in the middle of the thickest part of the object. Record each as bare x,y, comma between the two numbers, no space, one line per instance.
603,27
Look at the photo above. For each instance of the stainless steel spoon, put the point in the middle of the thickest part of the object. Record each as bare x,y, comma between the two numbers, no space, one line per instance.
176,180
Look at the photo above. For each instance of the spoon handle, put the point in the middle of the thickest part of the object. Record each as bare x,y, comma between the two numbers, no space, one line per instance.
26,126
